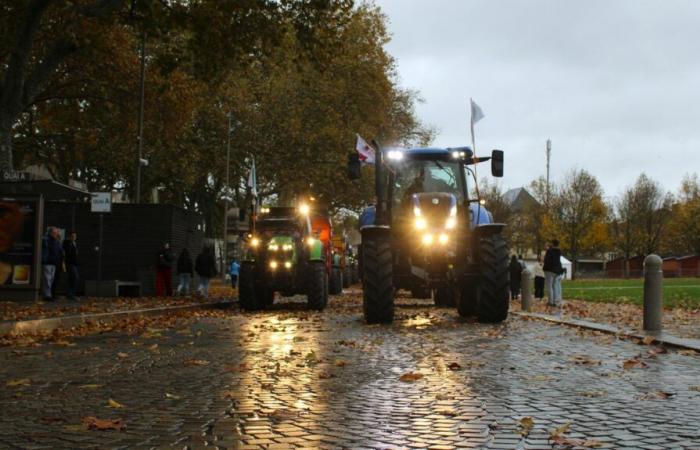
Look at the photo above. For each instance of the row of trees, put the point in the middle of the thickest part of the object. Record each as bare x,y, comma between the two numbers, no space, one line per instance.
643,219
299,78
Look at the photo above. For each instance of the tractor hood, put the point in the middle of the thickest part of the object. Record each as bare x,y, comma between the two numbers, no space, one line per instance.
434,204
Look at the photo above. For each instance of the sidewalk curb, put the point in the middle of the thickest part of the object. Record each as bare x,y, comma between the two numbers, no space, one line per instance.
49,324
659,337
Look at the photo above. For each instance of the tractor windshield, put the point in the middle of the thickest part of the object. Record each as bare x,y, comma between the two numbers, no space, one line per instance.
415,176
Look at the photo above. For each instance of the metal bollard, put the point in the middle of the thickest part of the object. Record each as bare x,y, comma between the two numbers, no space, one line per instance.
653,295
526,290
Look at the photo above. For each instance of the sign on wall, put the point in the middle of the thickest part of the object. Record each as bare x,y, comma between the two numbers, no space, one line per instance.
101,202
20,230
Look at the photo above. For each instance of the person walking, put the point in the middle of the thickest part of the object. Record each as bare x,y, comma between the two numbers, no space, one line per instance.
538,272
205,266
51,259
553,271
233,271
164,271
70,252
515,269
185,271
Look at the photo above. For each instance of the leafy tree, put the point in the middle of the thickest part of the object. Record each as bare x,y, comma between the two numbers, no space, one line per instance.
683,235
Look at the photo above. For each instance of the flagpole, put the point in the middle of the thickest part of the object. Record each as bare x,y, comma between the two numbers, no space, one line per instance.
474,157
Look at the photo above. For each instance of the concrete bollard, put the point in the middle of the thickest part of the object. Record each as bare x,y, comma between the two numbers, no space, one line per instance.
653,295
526,290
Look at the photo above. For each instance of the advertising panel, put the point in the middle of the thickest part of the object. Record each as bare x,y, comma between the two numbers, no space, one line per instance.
20,228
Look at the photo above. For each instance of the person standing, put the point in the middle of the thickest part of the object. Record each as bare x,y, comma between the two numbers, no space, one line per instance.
70,252
164,271
553,271
233,271
185,271
51,259
205,266
515,269
538,271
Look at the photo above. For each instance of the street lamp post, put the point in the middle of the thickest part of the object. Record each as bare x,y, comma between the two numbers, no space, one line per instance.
228,189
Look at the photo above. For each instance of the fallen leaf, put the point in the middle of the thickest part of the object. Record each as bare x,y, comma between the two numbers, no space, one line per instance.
560,430
325,375
571,442
283,414
74,427
687,352
447,412
634,363
172,396
526,424
19,382
153,347
196,362
593,394
239,368
114,404
93,423
454,366
64,343
122,355
411,377
585,360
695,388
311,359
656,395
90,386
648,340
340,362
541,378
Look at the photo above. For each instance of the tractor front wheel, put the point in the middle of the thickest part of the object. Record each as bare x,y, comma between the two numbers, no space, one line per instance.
492,299
445,297
336,281
246,288
377,280
317,286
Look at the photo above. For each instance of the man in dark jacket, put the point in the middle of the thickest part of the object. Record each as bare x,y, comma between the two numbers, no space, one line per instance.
51,260
70,252
553,270
164,271
205,266
184,272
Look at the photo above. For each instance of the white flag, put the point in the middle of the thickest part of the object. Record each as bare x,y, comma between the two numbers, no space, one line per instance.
477,113
253,181
366,152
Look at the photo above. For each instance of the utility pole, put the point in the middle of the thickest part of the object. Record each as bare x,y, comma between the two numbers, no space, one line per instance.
549,155
228,190
141,106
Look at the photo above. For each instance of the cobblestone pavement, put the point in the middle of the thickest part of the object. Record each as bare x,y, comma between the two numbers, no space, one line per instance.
289,378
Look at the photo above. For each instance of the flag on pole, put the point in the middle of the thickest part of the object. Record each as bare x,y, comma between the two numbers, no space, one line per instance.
253,180
366,152
477,113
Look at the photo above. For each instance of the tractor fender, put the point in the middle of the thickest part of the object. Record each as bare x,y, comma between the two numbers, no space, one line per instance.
372,230
316,251
488,230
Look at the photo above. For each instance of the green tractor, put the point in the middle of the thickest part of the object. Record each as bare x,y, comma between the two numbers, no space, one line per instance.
427,235
283,256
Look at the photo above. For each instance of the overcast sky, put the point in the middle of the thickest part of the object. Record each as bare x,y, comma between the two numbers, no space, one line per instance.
614,84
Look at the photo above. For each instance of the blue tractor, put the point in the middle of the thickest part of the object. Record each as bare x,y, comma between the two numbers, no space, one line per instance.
425,234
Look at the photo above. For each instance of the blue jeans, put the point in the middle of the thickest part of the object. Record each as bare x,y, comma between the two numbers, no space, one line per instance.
204,286
48,275
553,284
73,280
184,287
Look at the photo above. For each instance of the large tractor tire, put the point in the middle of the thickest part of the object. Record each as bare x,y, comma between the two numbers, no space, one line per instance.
445,297
265,295
492,299
246,288
317,286
468,299
377,280
420,292
336,281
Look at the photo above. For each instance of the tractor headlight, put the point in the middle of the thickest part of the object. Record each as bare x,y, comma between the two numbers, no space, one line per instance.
287,247
443,239
288,265
273,247
254,242
427,239
420,223
273,265
451,223
311,241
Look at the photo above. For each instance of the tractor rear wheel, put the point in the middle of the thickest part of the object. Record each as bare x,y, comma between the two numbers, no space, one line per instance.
246,288
492,299
317,286
377,280
445,297
420,292
265,295
336,281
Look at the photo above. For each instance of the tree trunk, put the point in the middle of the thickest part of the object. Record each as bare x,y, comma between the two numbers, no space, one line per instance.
6,163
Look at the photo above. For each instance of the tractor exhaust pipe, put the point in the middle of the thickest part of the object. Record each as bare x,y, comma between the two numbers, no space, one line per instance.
380,210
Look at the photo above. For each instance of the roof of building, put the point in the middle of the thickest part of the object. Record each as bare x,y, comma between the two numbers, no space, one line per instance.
518,198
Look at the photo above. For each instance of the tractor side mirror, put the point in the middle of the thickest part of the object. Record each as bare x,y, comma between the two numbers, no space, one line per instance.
354,166
497,163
